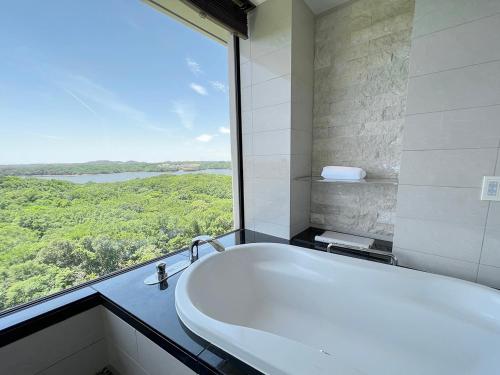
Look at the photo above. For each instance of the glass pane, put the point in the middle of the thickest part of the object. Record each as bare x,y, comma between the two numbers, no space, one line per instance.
114,141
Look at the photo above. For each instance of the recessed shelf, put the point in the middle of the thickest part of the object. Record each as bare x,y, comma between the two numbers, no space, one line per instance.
376,181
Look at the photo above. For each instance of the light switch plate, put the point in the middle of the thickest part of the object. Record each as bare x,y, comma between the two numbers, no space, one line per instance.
491,188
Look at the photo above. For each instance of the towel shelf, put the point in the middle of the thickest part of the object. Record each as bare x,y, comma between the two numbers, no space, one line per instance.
379,181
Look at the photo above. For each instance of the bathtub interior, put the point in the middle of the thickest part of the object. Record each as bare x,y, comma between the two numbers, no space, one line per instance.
349,308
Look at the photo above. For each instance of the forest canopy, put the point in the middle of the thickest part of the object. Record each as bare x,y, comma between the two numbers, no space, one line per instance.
57,234
105,166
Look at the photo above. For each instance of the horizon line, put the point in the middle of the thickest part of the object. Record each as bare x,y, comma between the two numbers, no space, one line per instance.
119,161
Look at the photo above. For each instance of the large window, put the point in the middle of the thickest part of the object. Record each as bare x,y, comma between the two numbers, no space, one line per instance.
114,141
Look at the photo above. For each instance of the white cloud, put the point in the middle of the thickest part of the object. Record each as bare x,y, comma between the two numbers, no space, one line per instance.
96,98
46,136
185,113
224,130
198,89
82,102
193,66
218,86
204,138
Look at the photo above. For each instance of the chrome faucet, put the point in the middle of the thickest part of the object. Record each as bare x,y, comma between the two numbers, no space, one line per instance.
201,240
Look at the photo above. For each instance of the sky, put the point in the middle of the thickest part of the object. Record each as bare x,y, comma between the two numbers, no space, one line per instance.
108,80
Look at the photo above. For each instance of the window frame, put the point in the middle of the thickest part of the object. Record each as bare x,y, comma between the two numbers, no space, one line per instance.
238,193
236,132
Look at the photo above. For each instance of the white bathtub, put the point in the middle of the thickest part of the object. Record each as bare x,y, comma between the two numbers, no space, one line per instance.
287,310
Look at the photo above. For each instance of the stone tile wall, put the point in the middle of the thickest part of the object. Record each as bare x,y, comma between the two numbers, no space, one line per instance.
360,88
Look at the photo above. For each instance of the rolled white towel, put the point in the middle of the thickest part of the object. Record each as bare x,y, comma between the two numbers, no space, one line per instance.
343,173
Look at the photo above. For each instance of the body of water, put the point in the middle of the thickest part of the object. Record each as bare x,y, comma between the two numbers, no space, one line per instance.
125,176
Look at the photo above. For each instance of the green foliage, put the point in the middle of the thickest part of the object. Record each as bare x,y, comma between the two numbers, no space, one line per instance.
56,234
105,166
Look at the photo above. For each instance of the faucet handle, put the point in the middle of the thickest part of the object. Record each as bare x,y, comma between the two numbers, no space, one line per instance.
161,271
201,238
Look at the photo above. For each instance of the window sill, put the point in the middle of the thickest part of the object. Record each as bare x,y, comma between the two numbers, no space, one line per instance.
147,308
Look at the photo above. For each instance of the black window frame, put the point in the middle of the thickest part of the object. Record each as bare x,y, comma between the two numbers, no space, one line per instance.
240,205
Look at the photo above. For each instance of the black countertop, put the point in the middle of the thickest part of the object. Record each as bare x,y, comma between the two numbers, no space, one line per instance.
151,310
148,308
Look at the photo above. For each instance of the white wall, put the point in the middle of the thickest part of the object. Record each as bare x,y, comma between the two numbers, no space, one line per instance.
451,139
85,344
132,353
74,346
277,116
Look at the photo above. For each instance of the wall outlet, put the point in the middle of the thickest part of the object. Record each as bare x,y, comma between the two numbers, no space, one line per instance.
491,188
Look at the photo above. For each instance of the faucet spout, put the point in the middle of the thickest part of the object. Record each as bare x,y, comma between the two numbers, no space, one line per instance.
195,242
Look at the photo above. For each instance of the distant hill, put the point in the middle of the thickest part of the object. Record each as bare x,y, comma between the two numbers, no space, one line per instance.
105,166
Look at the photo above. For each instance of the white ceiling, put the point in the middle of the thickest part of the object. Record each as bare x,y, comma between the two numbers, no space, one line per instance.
317,6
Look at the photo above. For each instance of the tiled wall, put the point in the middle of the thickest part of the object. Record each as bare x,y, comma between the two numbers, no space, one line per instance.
132,353
451,139
277,116
73,346
360,86
85,344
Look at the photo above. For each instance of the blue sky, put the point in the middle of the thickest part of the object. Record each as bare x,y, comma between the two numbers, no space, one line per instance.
108,80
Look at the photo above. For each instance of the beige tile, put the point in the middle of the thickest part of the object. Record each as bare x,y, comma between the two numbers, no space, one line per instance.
248,168
497,171
248,202
300,206
494,215
452,240
490,254
273,92
50,345
468,128
468,44
489,276
302,42
119,333
275,117
300,165
272,201
87,361
244,51
445,90
302,94
457,168
246,98
301,142
156,361
436,264
246,74
451,205
302,108
247,144
281,231
432,15
271,65
272,166
246,122
122,363
275,142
